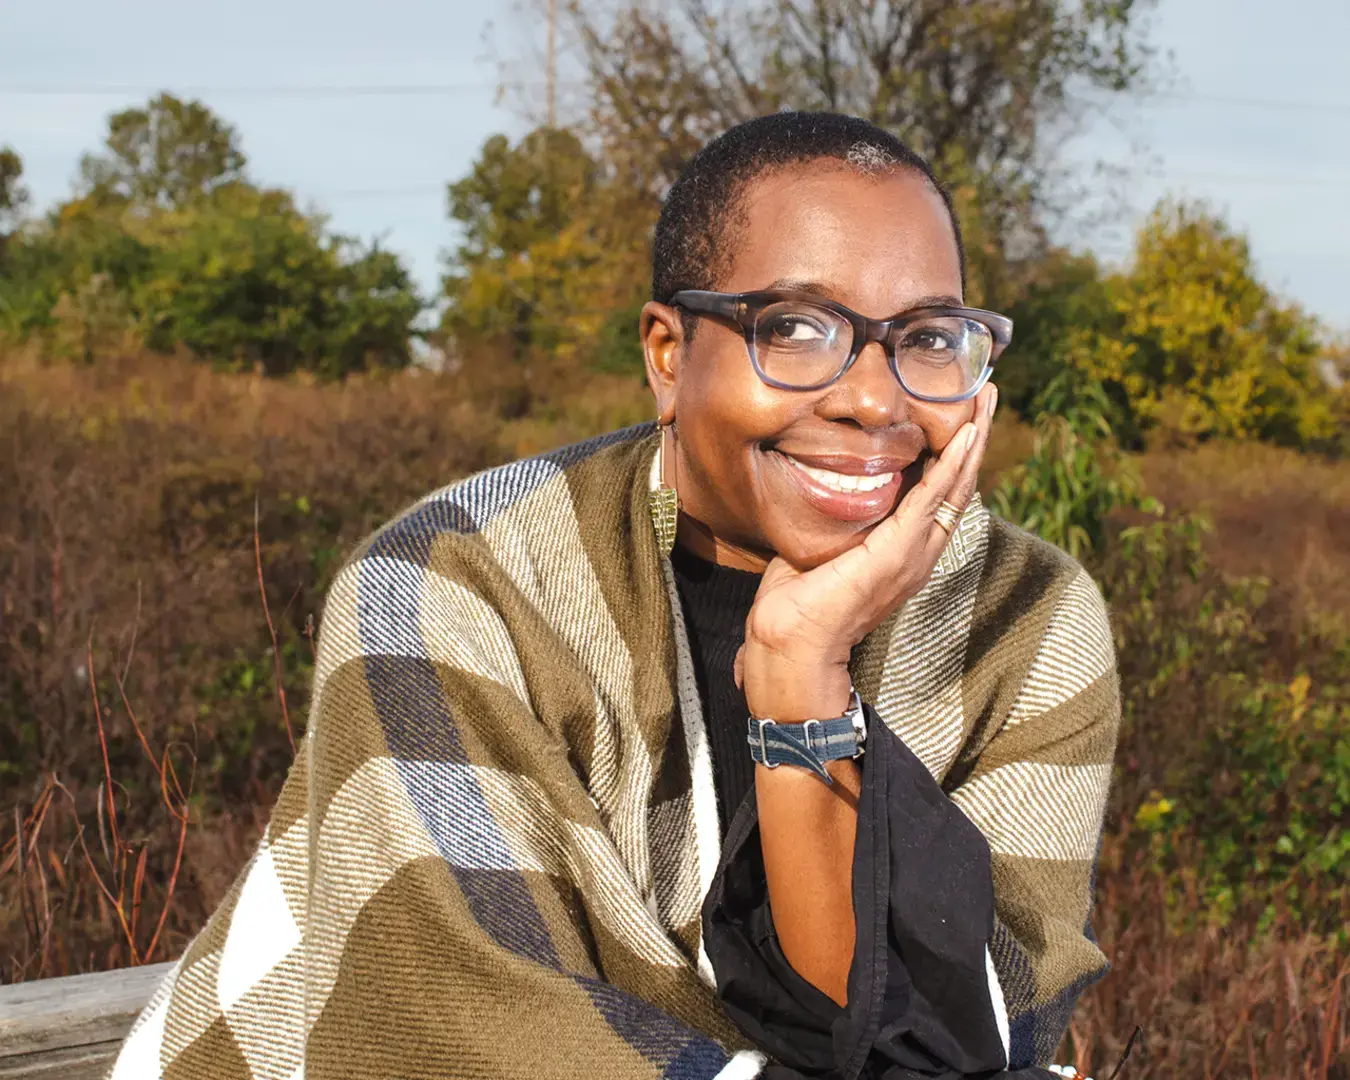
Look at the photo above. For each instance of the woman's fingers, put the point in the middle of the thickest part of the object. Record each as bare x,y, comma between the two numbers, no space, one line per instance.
893,547
910,539
963,486
964,489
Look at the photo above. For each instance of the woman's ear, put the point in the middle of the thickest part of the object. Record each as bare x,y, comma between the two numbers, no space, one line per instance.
662,335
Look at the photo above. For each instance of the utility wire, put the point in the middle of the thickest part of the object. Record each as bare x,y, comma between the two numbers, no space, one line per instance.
432,89
1169,176
261,90
1285,104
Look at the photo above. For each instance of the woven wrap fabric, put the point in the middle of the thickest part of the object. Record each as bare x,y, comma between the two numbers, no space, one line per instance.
489,857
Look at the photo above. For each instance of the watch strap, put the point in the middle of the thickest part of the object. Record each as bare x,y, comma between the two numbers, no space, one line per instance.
809,744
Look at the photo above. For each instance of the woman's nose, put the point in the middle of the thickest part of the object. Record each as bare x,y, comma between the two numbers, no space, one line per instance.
869,393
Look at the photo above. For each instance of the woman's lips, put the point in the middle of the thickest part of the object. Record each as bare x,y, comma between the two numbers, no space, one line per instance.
826,489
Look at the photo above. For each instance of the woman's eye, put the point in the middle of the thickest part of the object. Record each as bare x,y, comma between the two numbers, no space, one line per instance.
929,341
797,329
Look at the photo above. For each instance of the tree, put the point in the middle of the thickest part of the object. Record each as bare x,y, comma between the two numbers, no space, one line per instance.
163,155
1201,347
13,196
981,89
241,277
1187,343
169,246
545,252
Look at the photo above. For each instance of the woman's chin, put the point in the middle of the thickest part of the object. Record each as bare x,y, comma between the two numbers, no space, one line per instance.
807,552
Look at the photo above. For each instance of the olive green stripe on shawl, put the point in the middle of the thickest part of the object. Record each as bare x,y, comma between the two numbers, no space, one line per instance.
396,954
1022,578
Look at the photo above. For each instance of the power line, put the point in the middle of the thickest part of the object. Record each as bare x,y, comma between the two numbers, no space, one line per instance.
1286,104
432,89
261,90
1169,176
1292,180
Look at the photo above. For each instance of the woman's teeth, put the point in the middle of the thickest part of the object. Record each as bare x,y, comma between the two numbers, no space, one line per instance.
845,482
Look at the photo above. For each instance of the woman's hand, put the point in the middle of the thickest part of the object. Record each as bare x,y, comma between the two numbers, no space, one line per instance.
802,627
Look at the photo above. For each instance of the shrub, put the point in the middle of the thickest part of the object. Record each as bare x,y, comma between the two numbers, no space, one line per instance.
1236,733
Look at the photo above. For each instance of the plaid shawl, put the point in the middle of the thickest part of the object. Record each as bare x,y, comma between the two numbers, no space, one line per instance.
489,856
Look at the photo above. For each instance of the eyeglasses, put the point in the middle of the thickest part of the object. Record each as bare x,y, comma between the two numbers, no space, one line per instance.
801,341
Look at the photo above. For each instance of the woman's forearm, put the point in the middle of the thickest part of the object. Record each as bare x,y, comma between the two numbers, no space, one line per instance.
806,826
807,829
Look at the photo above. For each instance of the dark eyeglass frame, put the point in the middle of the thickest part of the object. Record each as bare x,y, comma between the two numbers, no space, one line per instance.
744,309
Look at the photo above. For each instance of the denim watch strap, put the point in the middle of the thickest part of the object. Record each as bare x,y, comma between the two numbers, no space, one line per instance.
808,744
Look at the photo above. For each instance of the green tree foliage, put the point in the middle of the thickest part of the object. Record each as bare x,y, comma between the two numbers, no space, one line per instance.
243,277
1187,342
543,256
171,248
163,155
1203,346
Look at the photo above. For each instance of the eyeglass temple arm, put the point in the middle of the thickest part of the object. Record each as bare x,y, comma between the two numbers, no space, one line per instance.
728,305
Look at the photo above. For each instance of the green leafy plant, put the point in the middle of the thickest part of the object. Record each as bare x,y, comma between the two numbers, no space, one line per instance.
1076,475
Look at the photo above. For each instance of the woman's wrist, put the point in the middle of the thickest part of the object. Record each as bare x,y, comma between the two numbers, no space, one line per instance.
792,689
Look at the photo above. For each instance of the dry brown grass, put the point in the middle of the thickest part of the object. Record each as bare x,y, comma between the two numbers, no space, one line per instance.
1276,513
1214,1002
127,501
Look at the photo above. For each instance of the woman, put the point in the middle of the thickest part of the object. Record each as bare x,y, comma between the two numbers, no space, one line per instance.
748,744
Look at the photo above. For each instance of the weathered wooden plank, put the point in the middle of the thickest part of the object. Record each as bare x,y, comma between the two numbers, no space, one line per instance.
73,1063
74,1011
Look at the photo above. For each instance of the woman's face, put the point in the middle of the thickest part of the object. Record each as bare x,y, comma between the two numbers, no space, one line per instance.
878,245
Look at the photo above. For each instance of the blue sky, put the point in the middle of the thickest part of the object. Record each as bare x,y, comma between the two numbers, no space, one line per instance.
1258,120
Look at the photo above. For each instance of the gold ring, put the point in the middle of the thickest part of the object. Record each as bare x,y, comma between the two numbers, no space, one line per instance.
946,516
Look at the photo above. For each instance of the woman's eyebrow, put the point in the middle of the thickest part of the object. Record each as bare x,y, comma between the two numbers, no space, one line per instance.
828,291
820,288
944,300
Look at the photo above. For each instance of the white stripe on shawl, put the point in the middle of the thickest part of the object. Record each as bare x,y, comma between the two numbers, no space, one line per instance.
707,833
1000,1005
139,1057
1075,652
1038,811
744,1065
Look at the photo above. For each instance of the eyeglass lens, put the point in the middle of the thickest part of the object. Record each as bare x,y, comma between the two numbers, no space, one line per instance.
800,345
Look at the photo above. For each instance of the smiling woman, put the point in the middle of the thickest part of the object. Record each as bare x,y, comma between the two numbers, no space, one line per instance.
748,743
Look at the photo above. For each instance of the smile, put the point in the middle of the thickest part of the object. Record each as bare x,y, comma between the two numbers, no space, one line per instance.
863,494
847,482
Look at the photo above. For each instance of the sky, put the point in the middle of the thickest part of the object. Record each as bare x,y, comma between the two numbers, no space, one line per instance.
366,110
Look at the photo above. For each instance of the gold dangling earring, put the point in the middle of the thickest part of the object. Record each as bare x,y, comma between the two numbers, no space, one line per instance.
663,500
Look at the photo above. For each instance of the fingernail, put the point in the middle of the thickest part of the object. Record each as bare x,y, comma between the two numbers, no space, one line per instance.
993,401
969,440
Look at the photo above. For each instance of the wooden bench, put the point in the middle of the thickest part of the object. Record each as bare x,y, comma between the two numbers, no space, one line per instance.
70,1028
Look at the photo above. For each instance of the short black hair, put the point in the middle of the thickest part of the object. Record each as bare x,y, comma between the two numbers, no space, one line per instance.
690,250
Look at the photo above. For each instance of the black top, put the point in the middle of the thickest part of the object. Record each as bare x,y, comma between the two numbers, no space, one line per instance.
716,600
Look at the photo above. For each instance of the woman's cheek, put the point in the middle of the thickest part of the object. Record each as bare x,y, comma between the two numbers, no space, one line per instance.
940,423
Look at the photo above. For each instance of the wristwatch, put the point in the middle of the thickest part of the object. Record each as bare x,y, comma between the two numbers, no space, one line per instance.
809,744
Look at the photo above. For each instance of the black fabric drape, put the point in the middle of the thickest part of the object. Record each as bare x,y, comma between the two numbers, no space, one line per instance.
919,994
